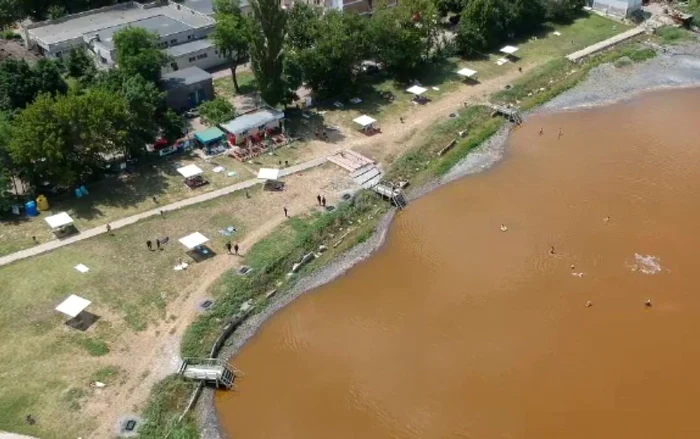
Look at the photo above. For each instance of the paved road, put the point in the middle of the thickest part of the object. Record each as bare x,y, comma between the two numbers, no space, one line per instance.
53,245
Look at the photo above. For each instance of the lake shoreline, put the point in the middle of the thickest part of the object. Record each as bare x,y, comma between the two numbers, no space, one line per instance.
678,67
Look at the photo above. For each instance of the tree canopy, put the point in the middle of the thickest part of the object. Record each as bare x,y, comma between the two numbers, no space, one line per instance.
266,49
217,111
138,53
65,139
20,83
231,35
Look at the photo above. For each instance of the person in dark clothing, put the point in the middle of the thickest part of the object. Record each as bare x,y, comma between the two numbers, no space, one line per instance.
30,420
228,247
158,244
323,201
149,244
286,212
318,198
235,249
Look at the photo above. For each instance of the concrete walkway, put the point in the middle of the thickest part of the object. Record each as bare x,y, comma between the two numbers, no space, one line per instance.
4,435
118,224
595,48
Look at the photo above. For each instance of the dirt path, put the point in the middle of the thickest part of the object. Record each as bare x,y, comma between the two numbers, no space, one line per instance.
151,355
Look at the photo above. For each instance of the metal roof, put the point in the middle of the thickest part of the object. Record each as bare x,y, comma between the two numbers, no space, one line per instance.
160,24
73,27
209,135
189,47
184,77
202,6
252,120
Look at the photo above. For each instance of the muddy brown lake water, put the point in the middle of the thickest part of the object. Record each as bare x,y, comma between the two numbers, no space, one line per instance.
456,329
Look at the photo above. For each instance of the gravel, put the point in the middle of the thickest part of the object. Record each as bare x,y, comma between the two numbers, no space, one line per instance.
678,66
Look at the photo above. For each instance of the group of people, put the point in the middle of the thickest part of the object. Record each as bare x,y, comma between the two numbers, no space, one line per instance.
321,200
234,247
159,243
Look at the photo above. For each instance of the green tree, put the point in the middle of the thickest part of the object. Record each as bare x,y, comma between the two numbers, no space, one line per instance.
217,111
138,53
48,78
266,50
65,139
304,25
80,66
482,26
17,86
526,15
56,11
6,198
9,13
563,10
445,7
171,124
231,36
404,37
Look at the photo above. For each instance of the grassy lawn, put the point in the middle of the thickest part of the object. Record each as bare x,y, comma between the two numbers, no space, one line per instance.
534,50
118,197
129,287
246,82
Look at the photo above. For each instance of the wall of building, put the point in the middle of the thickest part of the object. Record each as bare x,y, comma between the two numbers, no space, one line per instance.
204,59
619,8
181,99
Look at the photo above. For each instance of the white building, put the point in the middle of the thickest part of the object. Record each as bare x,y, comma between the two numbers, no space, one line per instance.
620,8
183,32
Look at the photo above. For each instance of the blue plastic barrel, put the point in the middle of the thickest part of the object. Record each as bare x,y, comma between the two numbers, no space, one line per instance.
31,208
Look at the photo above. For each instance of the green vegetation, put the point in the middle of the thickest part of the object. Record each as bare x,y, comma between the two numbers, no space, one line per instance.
231,35
74,397
272,258
217,111
94,347
139,53
107,375
674,35
166,403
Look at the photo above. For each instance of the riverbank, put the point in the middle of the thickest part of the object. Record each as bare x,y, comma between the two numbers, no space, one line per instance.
605,84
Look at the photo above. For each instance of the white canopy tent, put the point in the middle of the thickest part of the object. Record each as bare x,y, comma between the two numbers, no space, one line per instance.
268,174
73,306
194,240
417,90
59,220
364,120
189,171
509,50
467,73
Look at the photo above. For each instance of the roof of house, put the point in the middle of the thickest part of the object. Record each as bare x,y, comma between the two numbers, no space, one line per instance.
209,135
252,120
184,77
75,26
160,24
189,47
202,6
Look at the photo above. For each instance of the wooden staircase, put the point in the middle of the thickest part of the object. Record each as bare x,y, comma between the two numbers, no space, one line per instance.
212,371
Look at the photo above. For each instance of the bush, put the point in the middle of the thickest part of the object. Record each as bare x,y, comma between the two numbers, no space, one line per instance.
94,347
166,403
10,35
673,35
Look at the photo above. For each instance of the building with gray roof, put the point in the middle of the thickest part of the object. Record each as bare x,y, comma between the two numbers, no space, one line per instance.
187,88
94,30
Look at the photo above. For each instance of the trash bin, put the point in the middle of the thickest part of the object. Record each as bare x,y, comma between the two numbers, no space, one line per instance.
31,208
42,203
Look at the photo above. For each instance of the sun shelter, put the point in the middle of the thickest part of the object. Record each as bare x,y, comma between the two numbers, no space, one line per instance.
73,306
61,223
510,51
418,91
195,246
367,124
193,176
467,73
268,174
209,136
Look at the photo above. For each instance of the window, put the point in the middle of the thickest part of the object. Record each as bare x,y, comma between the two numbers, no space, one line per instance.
202,56
192,59
173,41
189,37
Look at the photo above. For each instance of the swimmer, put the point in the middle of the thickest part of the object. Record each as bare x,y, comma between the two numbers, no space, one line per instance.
572,267
504,228
552,251
648,303
561,133
606,219
589,304
541,131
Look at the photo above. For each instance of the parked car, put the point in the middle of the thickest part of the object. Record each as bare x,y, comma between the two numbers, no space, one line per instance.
192,113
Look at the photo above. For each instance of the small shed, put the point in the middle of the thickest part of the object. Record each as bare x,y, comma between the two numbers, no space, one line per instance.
262,121
187,88
209,136
467,73
61,223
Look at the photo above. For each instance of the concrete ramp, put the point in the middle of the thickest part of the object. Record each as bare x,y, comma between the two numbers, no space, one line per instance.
598,47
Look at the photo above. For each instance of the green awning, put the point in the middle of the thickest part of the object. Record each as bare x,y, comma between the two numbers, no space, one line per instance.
210,135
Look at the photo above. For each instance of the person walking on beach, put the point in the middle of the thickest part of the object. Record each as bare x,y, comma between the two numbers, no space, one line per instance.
109,229
158,244
228,247
318,198
286,212
323,201
235,249
561,133
149,244
541,131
